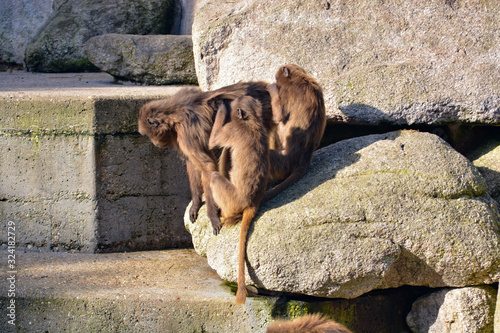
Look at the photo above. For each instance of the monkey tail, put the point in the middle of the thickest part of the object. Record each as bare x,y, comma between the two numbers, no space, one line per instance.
248,215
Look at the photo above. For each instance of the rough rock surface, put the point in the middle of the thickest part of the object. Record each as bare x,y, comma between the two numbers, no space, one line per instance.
489,164
454,310
496,325
20,21
59,45
390,62
154,59
374,212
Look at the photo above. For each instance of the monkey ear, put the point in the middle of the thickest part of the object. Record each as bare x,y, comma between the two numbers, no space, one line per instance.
286,71
241,114
153,122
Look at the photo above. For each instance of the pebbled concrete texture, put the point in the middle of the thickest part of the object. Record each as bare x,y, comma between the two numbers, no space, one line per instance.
169,291
76,175
165,291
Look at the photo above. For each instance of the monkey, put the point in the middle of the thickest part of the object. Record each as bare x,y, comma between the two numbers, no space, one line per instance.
307,324
240,196
299,108
184,121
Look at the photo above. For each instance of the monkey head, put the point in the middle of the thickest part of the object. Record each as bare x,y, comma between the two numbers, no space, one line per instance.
246,107
286,72
158,120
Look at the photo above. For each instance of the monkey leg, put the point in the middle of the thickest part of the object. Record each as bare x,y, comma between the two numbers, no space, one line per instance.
196,188
279,164
281,167
212,209
226,195
225,162
205,161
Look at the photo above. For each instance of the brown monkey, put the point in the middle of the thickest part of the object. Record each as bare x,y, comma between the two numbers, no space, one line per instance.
307,324
239,198
184,121
298,105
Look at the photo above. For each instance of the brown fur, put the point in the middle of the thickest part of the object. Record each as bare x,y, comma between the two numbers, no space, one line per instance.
299,107
307,324
184,121
240,197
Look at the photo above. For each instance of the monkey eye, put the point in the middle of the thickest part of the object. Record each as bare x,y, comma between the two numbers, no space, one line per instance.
153,122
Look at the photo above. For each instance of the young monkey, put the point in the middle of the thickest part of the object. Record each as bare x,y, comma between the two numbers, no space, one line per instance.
299,108
239,198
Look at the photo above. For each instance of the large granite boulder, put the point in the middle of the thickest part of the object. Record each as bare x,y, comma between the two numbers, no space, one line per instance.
20,21
153,59
374,212
390,62
59,45
458,310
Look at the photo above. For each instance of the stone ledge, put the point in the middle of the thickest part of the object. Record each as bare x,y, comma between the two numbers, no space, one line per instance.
76,175
72,103
166,291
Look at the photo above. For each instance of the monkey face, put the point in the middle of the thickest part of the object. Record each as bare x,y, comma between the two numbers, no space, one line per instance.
157,125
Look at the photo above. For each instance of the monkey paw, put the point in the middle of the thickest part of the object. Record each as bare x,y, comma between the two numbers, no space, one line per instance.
193,213
217,229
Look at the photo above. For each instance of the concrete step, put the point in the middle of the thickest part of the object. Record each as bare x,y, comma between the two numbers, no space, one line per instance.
74,172
161,291
164,291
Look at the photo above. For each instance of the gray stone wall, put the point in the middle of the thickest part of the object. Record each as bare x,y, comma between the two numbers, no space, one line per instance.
76,175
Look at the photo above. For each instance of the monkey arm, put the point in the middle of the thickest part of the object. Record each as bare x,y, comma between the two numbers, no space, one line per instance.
225,135
292,178
215,135
196,188
205,162
281,167
275,103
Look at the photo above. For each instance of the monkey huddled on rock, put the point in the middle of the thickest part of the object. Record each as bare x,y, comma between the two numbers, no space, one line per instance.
299,109
184,121
267,131
239,196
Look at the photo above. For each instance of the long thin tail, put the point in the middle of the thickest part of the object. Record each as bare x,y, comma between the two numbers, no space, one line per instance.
248,215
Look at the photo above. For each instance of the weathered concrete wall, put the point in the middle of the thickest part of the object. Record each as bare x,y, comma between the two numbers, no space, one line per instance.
76,175
141,193
47,187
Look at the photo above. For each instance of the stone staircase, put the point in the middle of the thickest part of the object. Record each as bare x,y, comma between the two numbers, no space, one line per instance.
76,175
78,182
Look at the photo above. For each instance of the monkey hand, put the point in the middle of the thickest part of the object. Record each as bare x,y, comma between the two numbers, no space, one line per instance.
193,213
216,226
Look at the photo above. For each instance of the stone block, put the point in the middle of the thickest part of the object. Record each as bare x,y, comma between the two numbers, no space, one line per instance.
76,175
